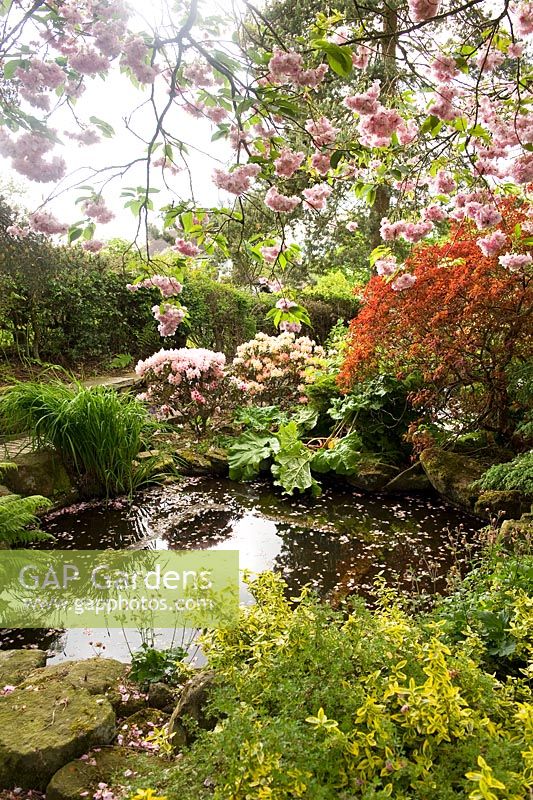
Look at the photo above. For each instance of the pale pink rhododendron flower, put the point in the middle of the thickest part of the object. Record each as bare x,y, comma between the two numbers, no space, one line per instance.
93,246
352,226
280,202
290,327
18,231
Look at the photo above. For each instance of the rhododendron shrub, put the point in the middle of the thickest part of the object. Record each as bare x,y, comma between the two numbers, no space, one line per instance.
276,369
186,383
466,320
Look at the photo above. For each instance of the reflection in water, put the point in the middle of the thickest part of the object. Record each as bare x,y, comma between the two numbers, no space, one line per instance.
337,544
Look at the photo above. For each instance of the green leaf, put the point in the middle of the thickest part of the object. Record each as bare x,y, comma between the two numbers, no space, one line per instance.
292,463
105,128
343,458
249,453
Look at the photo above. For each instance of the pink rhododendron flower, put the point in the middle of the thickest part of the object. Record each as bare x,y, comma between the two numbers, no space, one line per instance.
352,226
18,231
322,131
280,202
421,10
186,248
316,196
239,181
515,261
402,282
492,244
290,327
288,162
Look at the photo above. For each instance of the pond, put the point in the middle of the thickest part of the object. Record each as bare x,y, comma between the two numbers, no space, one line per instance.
338,543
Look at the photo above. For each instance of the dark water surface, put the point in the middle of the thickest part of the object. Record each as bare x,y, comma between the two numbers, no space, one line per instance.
338,543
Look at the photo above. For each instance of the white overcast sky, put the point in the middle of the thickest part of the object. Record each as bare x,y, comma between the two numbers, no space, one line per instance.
111,101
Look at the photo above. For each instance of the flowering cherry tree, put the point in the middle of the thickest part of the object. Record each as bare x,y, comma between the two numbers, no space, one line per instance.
430,120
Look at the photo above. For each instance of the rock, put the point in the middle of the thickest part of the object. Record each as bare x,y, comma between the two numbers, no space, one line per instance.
511,504
452,476
4,491
15,665
191,706
144,720
219,461
162,696
40,472
517,528
96,676
372,475
413,479
192,463
45,727
106,766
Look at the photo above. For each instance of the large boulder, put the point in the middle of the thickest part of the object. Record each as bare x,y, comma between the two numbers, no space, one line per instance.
40,472
110,765
413,479
509,504
44,727
162,696
97,676
15,665
452,475
372,475
192,709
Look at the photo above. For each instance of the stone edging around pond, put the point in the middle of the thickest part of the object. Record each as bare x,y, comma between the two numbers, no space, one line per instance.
448,473
64,728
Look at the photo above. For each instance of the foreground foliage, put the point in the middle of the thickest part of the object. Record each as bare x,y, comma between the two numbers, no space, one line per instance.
513,475
371,704
97,431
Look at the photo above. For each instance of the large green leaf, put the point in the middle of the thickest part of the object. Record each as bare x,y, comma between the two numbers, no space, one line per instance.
343,458
292,464
249,453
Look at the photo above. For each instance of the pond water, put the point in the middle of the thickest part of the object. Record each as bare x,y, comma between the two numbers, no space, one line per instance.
338,543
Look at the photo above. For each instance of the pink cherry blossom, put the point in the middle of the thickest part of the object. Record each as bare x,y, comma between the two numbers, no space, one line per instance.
486,217
321,131
489,60
18,231
97,210
492,244
186,248
404,281
522,13
366,103
443,183
421,10
386,266
87,61
168,286
515,261
169,317
321,162
239,180
444,68
93,246
434,213
45,222
375,130
270,253
444,106
288,162
316,196
361,57
280,202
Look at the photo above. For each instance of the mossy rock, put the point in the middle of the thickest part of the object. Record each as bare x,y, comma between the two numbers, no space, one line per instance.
452,476
510,504
108,765
518,528
192,463
15,665
413,479
191,711
372,475
145,720
45,727
97,676
40,472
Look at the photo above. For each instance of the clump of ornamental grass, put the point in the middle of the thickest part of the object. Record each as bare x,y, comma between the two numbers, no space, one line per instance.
98,432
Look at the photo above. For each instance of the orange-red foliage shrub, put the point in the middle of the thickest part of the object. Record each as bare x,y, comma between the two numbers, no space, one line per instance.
465,320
